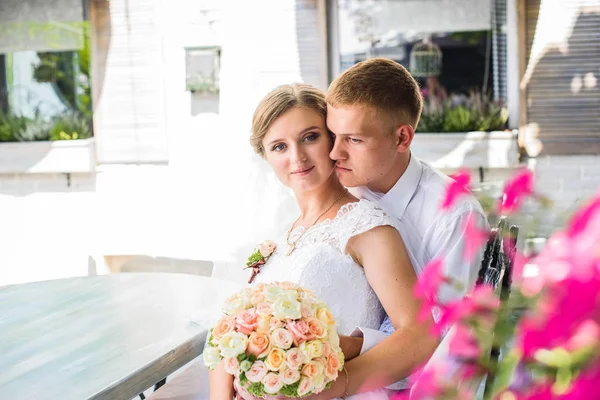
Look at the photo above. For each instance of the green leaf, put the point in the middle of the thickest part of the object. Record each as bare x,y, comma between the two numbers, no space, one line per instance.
505,370
254,258
256,389
290,390
563,381
252,358
243,379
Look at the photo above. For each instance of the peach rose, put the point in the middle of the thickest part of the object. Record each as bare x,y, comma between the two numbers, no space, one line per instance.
294,358
288,285
326,349
316,328
258,344
257,372
231,365
304,387
332,366
299,331
273,383
312,368
246,321
264,308
281,338
263,323
325,316
307,311
275,359
267,248
275,323
290,376
225,325
257,297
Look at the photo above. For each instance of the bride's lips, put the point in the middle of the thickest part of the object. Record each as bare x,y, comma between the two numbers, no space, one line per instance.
303,171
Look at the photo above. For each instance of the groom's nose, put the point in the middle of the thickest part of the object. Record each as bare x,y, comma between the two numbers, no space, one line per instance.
337,153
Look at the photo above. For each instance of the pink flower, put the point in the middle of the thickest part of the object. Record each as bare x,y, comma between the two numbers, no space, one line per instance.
294,358
231,365
427,287
299,330
267,248
515,190
257,372
482,303
463,344
458,187
474,238
305,386
430,280
246,321
281,338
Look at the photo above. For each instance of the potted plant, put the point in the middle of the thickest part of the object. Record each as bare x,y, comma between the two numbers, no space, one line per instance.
63,144
465,132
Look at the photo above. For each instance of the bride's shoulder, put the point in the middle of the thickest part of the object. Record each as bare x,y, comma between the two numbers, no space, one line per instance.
363,212
359,207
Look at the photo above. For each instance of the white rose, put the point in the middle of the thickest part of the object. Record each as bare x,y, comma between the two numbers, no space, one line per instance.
312,349
291,294
233,344
211,357
272,293
333,338
286,308
234,306
318,383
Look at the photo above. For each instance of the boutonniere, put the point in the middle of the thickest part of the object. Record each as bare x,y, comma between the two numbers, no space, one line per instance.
260,257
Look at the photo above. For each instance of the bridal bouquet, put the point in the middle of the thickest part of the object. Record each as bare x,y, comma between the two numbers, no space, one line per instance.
276,340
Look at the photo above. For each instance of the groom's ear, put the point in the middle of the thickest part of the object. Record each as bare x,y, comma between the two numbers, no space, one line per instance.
404,136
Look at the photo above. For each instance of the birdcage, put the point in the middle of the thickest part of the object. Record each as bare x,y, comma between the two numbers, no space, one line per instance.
425,59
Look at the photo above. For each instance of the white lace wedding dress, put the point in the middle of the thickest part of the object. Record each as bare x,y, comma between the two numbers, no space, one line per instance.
320,263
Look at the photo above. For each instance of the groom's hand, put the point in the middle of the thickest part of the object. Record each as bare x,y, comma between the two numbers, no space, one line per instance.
351,346
336,390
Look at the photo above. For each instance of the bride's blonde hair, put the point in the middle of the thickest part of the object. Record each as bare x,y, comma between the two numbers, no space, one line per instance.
280,100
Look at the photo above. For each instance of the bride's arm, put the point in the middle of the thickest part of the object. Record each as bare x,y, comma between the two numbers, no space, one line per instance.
387,266
221,384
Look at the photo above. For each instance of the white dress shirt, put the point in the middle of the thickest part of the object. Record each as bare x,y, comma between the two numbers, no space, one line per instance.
428,232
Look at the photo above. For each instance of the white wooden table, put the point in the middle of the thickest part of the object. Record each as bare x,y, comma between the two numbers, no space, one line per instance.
103,337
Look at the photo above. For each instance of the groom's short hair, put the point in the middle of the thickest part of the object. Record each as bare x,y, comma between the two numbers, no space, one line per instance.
381,84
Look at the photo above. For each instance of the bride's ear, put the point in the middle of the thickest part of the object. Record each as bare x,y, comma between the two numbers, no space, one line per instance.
404,136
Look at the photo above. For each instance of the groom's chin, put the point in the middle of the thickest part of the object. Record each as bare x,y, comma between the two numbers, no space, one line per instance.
348,180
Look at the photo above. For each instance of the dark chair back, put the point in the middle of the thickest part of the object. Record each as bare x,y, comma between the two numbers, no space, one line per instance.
496,270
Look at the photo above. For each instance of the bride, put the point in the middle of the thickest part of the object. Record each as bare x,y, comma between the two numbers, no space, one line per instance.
347,251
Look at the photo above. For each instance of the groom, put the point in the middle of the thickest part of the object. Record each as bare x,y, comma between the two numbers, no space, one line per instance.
373,109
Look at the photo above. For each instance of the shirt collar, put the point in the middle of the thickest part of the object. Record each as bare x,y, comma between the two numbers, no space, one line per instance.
397,198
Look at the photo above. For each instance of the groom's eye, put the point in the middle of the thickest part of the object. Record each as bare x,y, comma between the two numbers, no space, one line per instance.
354,140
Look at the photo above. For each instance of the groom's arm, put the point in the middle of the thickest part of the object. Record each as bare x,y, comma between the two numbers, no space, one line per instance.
385,260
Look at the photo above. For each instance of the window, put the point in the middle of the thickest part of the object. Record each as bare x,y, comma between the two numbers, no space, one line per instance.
45,85
202,69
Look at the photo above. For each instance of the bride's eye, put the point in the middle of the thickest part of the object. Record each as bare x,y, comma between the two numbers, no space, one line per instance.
354,140
278,147
311,137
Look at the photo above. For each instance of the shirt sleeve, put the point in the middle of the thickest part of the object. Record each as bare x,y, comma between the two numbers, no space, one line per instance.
448,243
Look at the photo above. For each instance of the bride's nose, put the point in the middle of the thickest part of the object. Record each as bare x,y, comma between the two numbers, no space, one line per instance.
299,157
